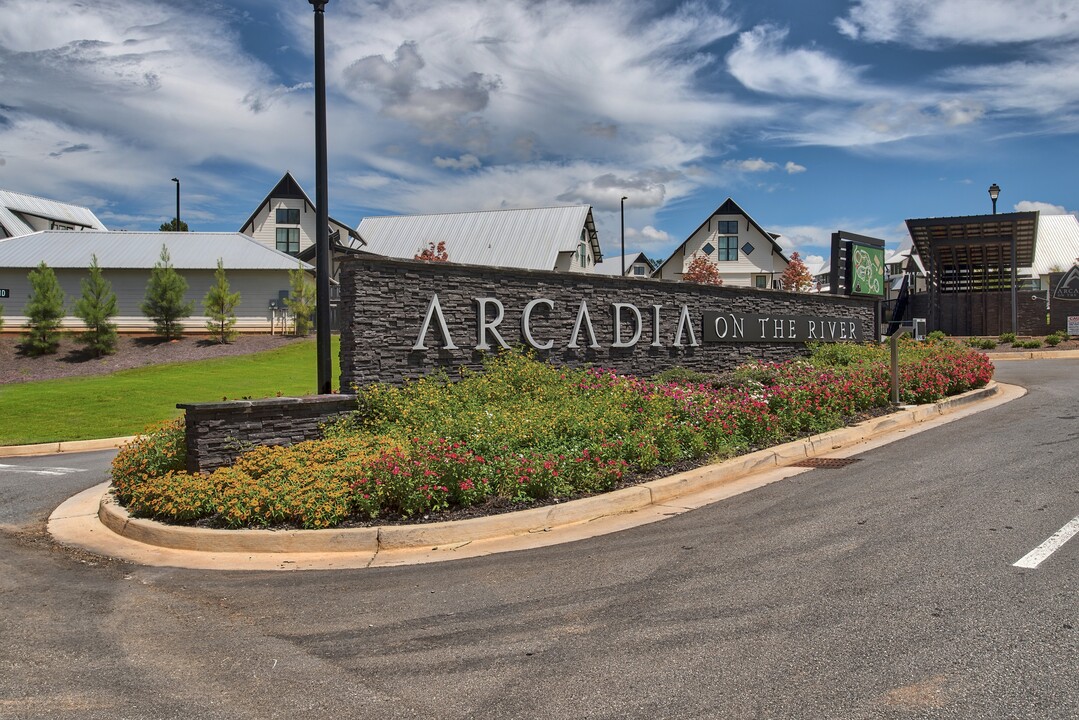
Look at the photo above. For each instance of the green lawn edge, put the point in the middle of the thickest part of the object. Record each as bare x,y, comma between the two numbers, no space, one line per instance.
125,402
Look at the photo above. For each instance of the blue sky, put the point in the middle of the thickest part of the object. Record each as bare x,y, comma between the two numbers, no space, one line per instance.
814,117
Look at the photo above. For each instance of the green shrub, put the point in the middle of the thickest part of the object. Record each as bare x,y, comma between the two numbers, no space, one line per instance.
159,450
1006,338
936,336
1052,340
979,343
524,430
683,376
1030,344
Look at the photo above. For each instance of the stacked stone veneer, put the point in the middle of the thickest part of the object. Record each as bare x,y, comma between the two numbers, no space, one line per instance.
384,302
218,433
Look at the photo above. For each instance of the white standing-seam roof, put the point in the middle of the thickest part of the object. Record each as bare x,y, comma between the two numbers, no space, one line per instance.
120,250
1058,243
528,238
613,265
15,202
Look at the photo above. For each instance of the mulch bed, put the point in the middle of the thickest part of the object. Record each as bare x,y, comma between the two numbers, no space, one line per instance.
133,351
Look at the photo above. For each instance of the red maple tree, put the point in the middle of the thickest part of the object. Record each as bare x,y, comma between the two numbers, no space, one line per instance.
703,271
434,253
796,277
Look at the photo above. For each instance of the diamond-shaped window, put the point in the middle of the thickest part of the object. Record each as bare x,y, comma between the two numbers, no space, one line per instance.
747,248
708,249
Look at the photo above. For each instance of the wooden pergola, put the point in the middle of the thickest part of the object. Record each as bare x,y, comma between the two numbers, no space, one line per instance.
974,254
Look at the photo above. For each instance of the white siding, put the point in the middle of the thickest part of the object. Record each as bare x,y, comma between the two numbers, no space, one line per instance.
265,223
256,287
734,272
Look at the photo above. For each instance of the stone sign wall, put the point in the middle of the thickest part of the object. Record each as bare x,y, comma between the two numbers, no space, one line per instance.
403,319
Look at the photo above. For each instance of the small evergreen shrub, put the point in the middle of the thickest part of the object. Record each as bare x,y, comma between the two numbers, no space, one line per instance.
301,300
164,303
1052,340
936,336
44,312
220,306
1006,338
96,308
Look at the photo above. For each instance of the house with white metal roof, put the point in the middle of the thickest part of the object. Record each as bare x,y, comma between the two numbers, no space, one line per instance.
22,214
1057,248
561,239
744,252
636,265
285,221
260,274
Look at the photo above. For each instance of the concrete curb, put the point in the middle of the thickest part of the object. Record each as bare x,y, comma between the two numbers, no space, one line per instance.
66,446
1034,355
543,519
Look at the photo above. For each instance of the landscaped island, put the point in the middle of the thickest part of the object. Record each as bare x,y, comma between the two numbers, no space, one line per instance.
524,431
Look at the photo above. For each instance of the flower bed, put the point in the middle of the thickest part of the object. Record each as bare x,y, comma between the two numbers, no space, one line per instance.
526,431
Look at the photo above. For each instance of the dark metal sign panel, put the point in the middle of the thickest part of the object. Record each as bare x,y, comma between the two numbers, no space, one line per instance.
1068,287
736,327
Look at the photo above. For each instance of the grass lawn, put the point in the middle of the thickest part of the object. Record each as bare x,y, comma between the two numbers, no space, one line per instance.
125,402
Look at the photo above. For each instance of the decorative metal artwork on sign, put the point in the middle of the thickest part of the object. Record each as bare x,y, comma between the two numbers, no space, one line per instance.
827,463
867,277
1068,287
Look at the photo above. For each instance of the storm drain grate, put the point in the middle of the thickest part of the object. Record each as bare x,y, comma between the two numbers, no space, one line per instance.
826,462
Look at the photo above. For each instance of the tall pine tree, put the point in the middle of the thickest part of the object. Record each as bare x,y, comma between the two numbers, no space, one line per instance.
220,306
44,312
164,303
96,308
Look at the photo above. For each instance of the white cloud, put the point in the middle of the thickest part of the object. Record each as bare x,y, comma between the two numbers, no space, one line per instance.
761,62
649,239
1044,207
752,165
794,168
465,162
976,22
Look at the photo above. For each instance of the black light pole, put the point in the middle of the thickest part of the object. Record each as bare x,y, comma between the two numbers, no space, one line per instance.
177,181
994,193
322,214
623,204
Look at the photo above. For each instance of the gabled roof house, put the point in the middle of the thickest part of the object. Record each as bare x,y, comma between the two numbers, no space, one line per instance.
745,253
285,221
22,214
636,264
562,239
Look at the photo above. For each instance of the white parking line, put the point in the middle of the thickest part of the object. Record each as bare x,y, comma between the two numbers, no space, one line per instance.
1035,557
42,470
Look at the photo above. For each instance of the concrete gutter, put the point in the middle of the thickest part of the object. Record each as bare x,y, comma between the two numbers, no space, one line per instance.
67,446
93,521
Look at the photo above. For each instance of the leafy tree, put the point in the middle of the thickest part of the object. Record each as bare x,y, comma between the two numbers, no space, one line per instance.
164,303
96,308
171,226
796,277
220,305
702,270
44,312
301,299
434,253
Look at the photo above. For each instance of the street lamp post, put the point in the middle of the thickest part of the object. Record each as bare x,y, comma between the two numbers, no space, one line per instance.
622,204
322,218
994,193
177,181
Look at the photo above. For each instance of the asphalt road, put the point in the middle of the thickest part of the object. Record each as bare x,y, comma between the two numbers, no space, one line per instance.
885,589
